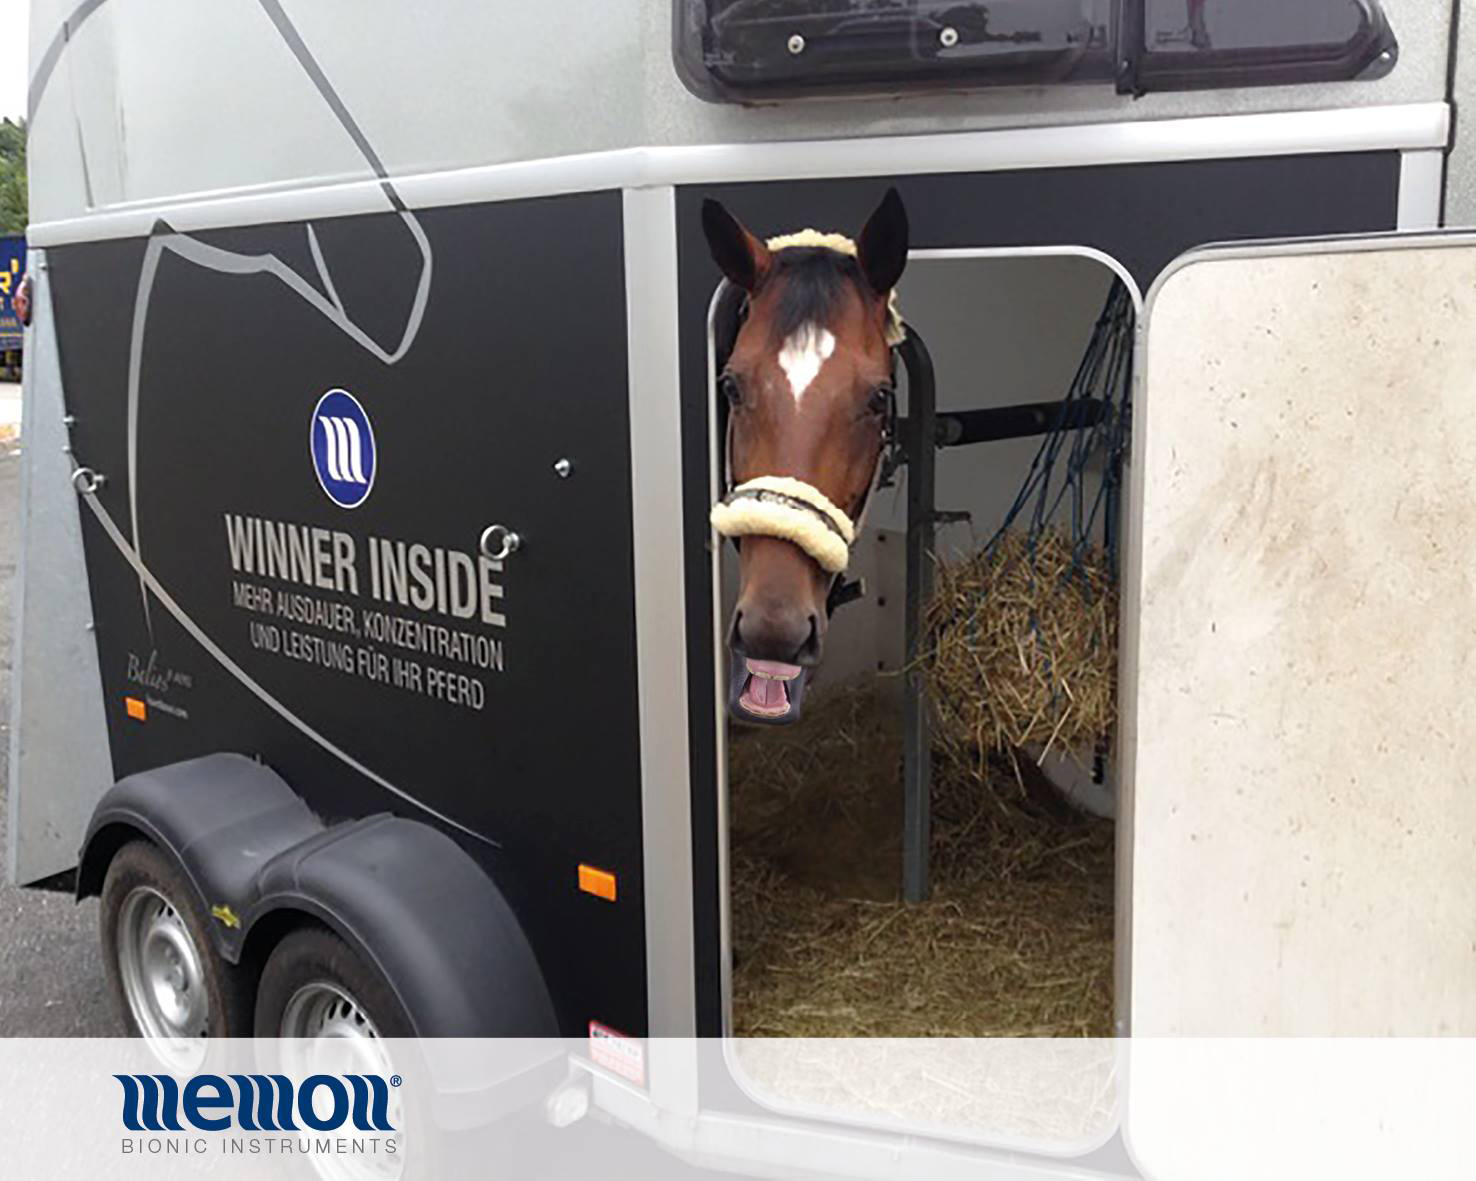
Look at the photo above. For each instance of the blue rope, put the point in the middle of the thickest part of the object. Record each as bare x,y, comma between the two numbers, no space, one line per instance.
1105,374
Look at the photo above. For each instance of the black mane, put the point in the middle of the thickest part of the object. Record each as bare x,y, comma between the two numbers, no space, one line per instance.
813,279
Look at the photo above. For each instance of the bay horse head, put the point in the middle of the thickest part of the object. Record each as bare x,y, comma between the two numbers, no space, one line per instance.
810,402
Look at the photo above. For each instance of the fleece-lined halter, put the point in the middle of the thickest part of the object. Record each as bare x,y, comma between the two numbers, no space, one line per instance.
788,508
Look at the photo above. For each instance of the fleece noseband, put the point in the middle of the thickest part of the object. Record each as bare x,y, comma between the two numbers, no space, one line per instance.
791,510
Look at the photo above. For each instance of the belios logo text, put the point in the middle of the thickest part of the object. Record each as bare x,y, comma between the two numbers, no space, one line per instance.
255,1102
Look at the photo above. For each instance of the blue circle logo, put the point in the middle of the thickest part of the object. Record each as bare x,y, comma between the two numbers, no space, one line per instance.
342,443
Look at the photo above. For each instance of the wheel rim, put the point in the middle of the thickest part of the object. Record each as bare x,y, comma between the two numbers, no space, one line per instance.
323,1009
163,977
331,1033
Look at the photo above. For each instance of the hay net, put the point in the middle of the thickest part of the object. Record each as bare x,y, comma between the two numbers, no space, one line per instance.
1022,635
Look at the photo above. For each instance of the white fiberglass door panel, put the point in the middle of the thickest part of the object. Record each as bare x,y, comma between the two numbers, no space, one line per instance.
1300,736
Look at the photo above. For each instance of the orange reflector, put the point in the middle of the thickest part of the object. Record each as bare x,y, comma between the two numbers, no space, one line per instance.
597,882
136,709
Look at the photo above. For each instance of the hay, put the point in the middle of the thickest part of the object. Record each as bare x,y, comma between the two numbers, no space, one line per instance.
1022,650
1018,936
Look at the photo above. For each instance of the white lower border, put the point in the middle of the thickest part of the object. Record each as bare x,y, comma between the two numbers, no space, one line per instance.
1218,1109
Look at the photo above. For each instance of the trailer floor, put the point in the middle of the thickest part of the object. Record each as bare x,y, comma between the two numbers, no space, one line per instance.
1017,939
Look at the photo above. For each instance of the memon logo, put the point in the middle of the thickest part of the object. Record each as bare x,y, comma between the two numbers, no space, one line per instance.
256,1102
343,449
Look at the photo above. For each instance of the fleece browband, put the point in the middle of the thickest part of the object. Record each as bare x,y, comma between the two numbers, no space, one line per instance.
791,510
896,331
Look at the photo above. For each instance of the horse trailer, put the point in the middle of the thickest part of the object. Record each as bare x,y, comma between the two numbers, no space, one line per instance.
376,624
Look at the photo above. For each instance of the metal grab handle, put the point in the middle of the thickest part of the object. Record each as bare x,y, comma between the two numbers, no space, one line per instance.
499,542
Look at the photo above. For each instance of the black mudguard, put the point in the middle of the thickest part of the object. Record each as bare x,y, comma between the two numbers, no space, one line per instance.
406,897
411,901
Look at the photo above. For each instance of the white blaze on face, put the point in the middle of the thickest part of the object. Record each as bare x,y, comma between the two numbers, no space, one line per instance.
803,354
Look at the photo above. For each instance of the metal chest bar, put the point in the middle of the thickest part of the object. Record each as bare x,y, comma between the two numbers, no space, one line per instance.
922,433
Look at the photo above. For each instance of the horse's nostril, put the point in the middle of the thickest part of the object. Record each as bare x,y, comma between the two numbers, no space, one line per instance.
810,650
776,632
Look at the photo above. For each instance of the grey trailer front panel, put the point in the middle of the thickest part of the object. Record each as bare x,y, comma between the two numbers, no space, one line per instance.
58,738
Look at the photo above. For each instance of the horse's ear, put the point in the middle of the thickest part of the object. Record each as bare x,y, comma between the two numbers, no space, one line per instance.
882,247
738,254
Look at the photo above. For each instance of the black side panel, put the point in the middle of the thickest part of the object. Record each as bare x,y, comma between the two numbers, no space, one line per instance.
517,737
1143,215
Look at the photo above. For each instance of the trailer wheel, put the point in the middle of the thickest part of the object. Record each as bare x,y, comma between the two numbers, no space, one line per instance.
314,985
172,987
336,1009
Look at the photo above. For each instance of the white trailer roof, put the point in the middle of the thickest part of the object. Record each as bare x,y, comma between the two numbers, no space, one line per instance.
153,103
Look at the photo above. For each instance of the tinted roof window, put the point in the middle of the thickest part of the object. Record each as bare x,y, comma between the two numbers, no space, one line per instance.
746,50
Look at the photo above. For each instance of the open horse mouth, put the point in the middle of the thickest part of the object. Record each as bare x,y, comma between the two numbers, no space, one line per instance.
766,691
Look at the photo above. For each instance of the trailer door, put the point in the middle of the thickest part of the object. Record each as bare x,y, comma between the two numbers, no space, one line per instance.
1299,662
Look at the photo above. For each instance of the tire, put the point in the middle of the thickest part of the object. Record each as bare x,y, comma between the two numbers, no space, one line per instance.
318,991
152,929
312,956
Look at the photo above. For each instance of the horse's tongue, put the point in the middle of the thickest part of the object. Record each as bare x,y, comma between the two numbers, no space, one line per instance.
766,694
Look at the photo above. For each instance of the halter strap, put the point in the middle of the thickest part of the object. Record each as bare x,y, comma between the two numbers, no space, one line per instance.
792,510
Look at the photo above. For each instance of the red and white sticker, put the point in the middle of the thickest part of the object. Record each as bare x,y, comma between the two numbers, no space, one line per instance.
621,1055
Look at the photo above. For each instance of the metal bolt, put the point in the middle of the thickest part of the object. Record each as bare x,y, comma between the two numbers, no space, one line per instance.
563,467
91,626
69,420
66,448
796,44
948,37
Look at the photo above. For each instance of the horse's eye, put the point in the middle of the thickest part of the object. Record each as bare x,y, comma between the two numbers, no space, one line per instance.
880,401
728,384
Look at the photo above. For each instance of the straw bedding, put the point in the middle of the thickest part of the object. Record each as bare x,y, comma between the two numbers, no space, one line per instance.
1017,939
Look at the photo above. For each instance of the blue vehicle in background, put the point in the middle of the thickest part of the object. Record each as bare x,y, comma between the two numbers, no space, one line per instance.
12,331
